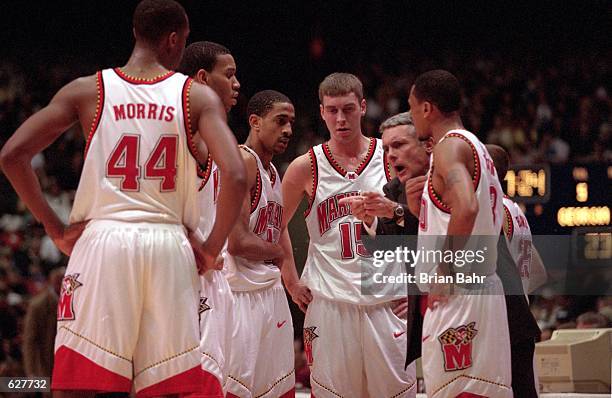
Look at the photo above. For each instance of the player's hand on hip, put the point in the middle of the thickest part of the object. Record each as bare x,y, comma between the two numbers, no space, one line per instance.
205,260
69,236
300,295
357,208
414,190
377,205
400,307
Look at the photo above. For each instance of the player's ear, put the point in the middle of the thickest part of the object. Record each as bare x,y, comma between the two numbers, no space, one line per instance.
201,76
321,110
363,107
254,122
173,39
427,108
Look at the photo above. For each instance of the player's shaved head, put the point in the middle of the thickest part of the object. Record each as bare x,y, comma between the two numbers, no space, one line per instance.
201,55
500,159
154,19
262,102
440,88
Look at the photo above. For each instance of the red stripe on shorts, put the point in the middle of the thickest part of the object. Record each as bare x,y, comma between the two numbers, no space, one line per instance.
73,371
196,382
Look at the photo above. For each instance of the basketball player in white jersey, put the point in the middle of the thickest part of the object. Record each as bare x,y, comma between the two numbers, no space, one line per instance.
128,305
525,257
466,348
518,233
212,65
261,361
354,343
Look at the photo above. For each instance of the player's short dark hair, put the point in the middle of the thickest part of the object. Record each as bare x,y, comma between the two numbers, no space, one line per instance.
500,159
338,84
155,18
201,55
262,102
440,88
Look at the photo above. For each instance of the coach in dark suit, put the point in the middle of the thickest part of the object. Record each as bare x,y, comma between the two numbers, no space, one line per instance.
388,214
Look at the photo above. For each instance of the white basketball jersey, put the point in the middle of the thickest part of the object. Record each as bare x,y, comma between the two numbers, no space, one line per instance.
208,191
518,238
336,254
138,166
435,215
265,222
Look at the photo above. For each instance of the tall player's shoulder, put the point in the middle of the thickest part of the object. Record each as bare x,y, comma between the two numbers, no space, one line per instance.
202,99
299,174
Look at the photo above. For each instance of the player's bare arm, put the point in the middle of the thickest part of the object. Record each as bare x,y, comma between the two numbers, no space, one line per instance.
453,162
75,101
452,181
297,183
208,115
242,241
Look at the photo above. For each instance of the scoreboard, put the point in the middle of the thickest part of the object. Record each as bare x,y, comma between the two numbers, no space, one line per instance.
573,200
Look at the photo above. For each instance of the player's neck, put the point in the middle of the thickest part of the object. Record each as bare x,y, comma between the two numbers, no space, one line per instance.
257,146
444,126
144,63
350,149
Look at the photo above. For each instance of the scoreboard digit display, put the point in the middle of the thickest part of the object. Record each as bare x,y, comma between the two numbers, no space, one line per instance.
559,198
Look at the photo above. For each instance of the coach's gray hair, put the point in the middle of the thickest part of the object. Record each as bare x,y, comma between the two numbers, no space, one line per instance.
401,119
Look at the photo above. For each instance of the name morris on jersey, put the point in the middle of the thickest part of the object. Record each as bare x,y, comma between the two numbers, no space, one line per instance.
144,111
329,210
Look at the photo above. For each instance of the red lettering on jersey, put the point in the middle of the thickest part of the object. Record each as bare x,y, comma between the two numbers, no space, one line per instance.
140,111
161,112
262,221
324,224
119,112
152,111
457,346
268,219
169,114
131,111
332,204
521,221
329,210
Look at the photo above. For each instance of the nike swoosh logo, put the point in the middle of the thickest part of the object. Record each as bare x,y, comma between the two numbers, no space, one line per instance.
280,324
396,335
425,338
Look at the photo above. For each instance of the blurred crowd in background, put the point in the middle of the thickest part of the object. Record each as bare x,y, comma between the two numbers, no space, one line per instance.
556,112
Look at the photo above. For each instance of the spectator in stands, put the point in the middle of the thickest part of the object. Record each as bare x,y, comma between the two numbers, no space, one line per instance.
592,320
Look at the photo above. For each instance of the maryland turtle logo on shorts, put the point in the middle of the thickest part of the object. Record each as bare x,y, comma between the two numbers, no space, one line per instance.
457,346
309,336
65,306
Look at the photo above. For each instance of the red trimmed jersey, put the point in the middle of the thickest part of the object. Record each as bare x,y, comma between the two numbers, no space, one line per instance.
208,192
336,254
265,222
138,166
518,238
435,214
